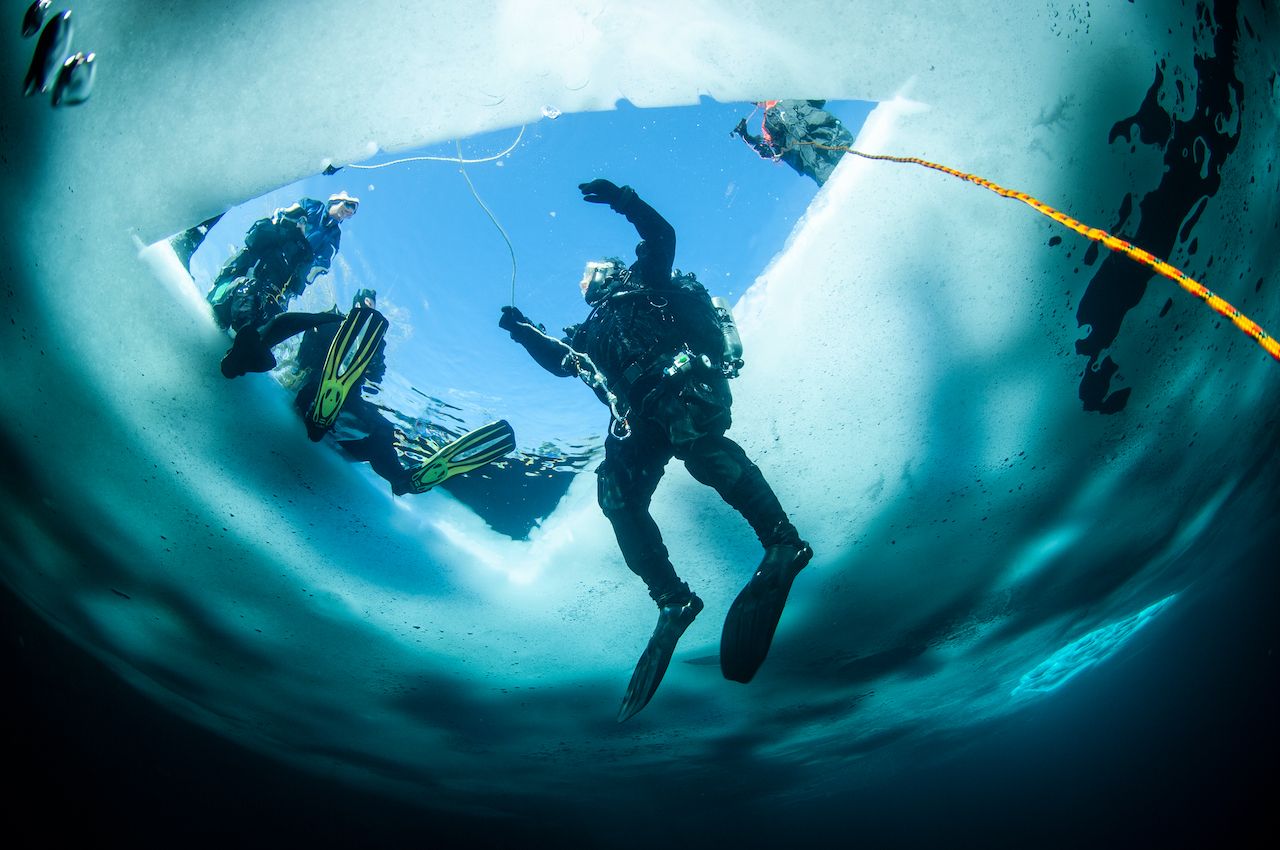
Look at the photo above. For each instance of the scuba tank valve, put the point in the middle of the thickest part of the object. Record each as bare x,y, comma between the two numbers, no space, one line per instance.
680,363
684,361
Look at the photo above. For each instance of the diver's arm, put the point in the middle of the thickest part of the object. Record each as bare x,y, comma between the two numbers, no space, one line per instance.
756,143
547,351
652,227
324,249
763,148
656,252
324,241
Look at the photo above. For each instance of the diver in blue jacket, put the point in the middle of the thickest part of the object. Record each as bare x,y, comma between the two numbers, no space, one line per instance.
282,255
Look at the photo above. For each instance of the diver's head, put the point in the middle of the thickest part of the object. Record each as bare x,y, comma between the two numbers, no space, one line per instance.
598,276
342,206
365,298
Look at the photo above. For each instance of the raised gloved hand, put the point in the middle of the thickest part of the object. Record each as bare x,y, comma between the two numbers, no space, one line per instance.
600,192
511,317
740,129
313,273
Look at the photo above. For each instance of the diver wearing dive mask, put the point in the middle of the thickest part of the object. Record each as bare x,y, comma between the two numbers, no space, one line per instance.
653,348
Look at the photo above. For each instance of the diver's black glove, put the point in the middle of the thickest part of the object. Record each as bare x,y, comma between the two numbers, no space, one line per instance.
603,192
740,130
511,319
600,192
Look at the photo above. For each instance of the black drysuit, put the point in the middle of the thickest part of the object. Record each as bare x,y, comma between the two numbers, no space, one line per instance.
634,331
256,284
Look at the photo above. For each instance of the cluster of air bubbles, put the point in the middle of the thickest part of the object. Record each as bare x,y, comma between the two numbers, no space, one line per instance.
52,63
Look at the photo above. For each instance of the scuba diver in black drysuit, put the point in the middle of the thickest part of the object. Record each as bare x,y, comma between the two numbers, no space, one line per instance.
653,348
361,430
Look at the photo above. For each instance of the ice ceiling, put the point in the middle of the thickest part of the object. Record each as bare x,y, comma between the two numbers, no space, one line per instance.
1009,445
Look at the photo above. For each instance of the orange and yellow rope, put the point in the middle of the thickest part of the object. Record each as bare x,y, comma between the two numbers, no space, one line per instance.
1244,323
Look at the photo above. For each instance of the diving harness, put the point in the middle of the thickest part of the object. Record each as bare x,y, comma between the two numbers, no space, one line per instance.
680,363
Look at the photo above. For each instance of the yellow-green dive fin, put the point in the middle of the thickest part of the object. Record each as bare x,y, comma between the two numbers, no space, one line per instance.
470,451
350,354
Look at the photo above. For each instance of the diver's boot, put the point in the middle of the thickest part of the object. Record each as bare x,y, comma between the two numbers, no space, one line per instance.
247,354
674,617
753,617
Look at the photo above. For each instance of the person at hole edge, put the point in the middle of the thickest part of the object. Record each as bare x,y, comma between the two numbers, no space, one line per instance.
800,133
361,430
282,255
653,347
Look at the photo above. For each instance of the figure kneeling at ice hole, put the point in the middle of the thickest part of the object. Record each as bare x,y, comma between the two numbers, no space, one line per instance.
338,356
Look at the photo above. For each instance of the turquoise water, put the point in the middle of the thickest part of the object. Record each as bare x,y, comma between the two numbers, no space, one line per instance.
1039,480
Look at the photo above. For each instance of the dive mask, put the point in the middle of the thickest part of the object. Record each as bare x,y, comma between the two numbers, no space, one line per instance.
597,278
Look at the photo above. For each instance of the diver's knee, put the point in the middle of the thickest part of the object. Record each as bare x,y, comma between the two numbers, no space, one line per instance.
717,461
616,502
622,489
609,491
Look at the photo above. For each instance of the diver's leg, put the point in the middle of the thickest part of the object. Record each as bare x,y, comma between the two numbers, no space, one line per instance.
306,396
377,449
627,479
753,618
719,462
251,349
625,483
285,325
247,354
754,615
695,422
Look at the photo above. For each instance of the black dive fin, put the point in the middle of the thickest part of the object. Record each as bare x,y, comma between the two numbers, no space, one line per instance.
251,349
753,617
247,354
652,666
350,354
469,452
